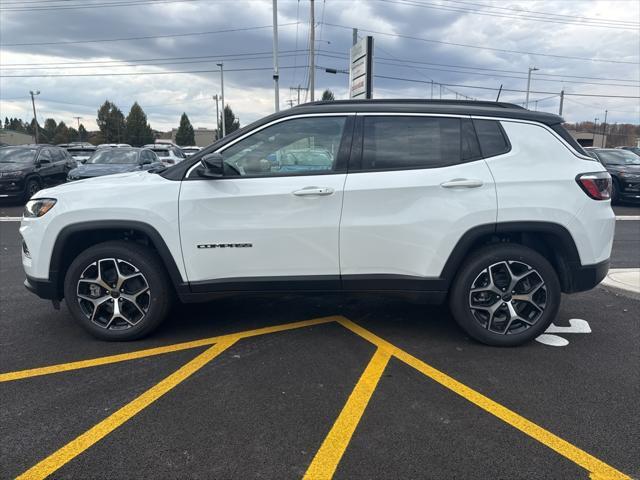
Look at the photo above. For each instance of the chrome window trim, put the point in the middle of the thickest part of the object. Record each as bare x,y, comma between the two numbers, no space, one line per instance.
262,127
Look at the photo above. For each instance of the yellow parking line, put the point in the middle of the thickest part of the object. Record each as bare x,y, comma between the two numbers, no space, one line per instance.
326,460
598,470
74,448
94,362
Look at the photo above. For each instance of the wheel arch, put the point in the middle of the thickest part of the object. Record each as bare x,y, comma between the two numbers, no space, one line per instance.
76,238
550,239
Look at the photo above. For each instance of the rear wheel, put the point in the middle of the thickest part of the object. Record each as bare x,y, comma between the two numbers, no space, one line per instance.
117,290
505,295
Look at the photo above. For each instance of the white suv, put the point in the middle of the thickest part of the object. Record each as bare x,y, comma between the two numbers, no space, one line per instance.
488,205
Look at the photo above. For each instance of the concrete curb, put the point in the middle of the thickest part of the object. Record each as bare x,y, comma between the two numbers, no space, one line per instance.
624,280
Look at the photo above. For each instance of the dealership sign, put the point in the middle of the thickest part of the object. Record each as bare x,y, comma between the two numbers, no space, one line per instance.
361,71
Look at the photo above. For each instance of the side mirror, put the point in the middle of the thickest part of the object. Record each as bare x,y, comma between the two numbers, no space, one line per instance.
213,164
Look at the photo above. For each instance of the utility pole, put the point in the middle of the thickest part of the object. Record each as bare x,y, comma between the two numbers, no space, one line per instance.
431,89
35,118
298,88
290,102
215,97
531,69
561,102
354,39
276,75
595,123
224,128
312,52
79,132
440,91
604,129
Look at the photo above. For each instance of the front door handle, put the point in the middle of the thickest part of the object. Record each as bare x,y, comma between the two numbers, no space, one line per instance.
313,191
462,183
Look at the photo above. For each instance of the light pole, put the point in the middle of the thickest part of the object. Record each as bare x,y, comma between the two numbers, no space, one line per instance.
595,123
33,104
221,65
312,53
276,74
531,69
79,132
215,97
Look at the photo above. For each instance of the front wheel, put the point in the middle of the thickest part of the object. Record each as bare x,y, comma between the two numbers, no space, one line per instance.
118,290
505,295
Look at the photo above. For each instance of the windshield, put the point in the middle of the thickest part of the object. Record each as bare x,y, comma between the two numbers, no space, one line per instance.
17,155
618,157
161,153
80,152
116,156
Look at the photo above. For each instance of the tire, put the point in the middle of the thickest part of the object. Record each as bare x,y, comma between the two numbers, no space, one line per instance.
615,192
143,298
514,321
31,188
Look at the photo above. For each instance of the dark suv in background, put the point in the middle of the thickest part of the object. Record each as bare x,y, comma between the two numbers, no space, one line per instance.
624,167
25,169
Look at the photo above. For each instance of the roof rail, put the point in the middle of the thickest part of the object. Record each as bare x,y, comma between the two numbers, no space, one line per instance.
377,101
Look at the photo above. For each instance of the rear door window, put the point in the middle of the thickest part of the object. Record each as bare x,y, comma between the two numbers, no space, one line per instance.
412,142
492,139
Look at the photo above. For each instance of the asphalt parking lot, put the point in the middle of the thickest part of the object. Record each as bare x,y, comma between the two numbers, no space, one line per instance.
322,386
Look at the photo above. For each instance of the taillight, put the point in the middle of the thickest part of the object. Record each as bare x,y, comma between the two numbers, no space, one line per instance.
596,185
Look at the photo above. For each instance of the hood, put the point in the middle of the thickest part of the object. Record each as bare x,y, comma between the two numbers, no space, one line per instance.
12,167
99,169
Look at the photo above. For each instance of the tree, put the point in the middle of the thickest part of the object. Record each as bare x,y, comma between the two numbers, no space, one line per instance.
111,123
138,130
72,135
61,134
31,127
231,123
6,123
49,130
185,135
327,96
83,135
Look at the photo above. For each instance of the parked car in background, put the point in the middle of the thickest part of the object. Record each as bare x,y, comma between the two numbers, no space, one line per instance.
25,169
635,150
624,167
81,153
168,153
191,150
108,161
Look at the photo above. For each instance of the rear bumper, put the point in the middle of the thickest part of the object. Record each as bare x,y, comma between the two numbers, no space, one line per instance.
581,278
42,288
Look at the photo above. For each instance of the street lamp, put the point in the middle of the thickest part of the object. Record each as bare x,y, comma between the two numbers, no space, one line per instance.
221,65
531,69
216,98
33,104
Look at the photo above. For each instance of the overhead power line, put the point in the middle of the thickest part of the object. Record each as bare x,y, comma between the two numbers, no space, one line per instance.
502,50
84,5
146,37
436,6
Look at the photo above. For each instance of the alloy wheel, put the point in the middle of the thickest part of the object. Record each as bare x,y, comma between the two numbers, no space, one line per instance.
113,294
508,297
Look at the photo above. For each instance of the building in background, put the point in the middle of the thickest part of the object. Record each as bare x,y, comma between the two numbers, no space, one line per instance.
12,137
589,139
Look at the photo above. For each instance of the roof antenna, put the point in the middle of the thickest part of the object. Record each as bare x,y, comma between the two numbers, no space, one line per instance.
499,92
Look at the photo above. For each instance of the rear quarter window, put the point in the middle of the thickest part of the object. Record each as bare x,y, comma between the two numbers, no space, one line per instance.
493,141
566,136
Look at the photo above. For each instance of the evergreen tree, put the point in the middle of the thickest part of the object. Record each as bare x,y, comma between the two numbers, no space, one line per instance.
83,135
49,130
73,134
138,130
6,122
111,123
185,135
61,134
327,96
231,122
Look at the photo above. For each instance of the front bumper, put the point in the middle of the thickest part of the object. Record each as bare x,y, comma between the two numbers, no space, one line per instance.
12,188
42,288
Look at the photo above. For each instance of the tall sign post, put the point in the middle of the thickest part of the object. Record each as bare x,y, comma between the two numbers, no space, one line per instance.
361,69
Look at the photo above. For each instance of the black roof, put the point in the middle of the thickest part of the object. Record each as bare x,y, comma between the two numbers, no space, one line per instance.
408,105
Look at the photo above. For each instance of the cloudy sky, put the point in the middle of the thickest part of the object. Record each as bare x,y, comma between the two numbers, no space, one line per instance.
121,50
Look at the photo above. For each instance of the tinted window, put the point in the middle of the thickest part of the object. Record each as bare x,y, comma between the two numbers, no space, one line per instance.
470,145
492,140
560,130
58,155
618,157
45,156
410,142
299,145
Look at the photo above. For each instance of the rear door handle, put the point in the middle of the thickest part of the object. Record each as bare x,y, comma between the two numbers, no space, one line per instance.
462,183
313,191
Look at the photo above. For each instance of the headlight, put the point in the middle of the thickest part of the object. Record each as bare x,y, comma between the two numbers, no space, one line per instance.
14,174
38,207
